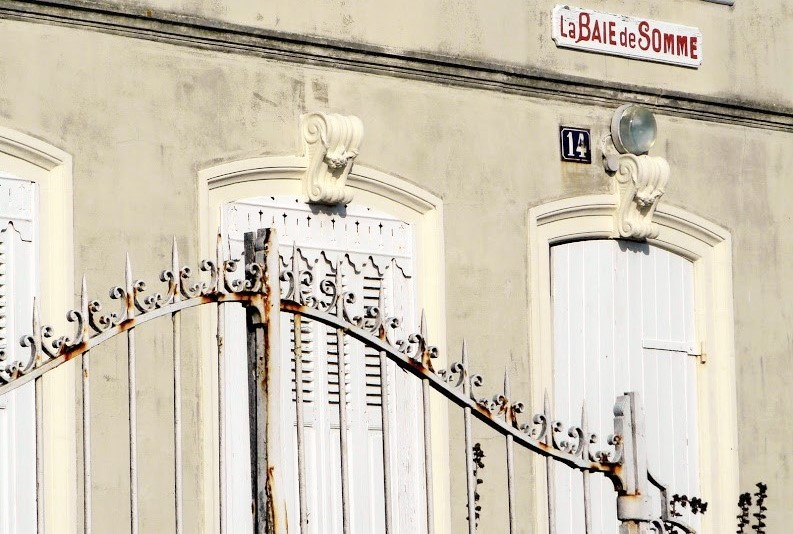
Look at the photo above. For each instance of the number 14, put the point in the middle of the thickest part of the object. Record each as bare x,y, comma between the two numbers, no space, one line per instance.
579,147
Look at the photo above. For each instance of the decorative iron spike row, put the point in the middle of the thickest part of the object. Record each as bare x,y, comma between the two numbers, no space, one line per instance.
415,346
428,352
542,428
91,320
336,300
581,440
298,288
298,276
513,408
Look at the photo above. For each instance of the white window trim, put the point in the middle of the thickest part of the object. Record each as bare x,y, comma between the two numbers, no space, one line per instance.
51,168
282,175
709,247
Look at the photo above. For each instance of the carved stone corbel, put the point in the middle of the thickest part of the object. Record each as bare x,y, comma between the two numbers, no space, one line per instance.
640,182
332,143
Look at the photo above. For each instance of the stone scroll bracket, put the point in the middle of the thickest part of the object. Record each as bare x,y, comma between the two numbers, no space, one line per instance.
331,143
639,183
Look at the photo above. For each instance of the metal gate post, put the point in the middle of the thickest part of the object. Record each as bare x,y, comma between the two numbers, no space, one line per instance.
634,505
263,322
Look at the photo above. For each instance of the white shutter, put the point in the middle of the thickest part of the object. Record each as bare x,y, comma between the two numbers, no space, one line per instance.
17,409
372,248
611,301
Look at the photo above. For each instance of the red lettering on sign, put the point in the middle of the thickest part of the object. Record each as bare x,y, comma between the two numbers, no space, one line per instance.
669,43
656,40
583,27
644,37
596,33
626,36
682,45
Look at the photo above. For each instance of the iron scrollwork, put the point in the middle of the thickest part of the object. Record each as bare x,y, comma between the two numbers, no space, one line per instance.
91,318
223,277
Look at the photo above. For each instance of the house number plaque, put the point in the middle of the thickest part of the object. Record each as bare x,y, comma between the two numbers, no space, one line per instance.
575,144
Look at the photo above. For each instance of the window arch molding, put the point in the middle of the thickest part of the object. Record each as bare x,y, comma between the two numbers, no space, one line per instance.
283,176
29,158
709,247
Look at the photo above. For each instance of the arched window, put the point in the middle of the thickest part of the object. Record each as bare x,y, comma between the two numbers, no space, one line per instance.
691,258
386,235
371,250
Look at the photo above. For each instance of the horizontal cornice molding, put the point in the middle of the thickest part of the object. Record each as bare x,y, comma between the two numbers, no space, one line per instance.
308,50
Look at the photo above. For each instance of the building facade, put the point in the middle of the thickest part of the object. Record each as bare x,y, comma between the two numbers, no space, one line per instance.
134,123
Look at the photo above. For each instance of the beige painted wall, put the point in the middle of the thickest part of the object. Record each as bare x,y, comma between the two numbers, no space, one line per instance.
747,52
140,118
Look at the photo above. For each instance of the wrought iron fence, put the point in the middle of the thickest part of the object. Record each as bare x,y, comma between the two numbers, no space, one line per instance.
270,290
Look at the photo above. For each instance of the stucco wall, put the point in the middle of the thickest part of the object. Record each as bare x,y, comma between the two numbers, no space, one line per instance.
140,118
747,54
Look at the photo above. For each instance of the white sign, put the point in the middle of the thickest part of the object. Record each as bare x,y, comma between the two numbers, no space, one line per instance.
632,37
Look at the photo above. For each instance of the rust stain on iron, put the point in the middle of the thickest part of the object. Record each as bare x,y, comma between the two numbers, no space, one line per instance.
270,500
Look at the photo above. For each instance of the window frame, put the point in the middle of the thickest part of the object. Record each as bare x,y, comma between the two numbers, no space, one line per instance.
709,247
321,410
282,176
34,160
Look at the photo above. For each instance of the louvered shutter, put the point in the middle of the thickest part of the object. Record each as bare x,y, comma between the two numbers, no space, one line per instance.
623,317
372,249
18,230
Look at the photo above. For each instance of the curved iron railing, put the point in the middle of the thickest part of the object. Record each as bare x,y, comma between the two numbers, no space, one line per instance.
259,285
